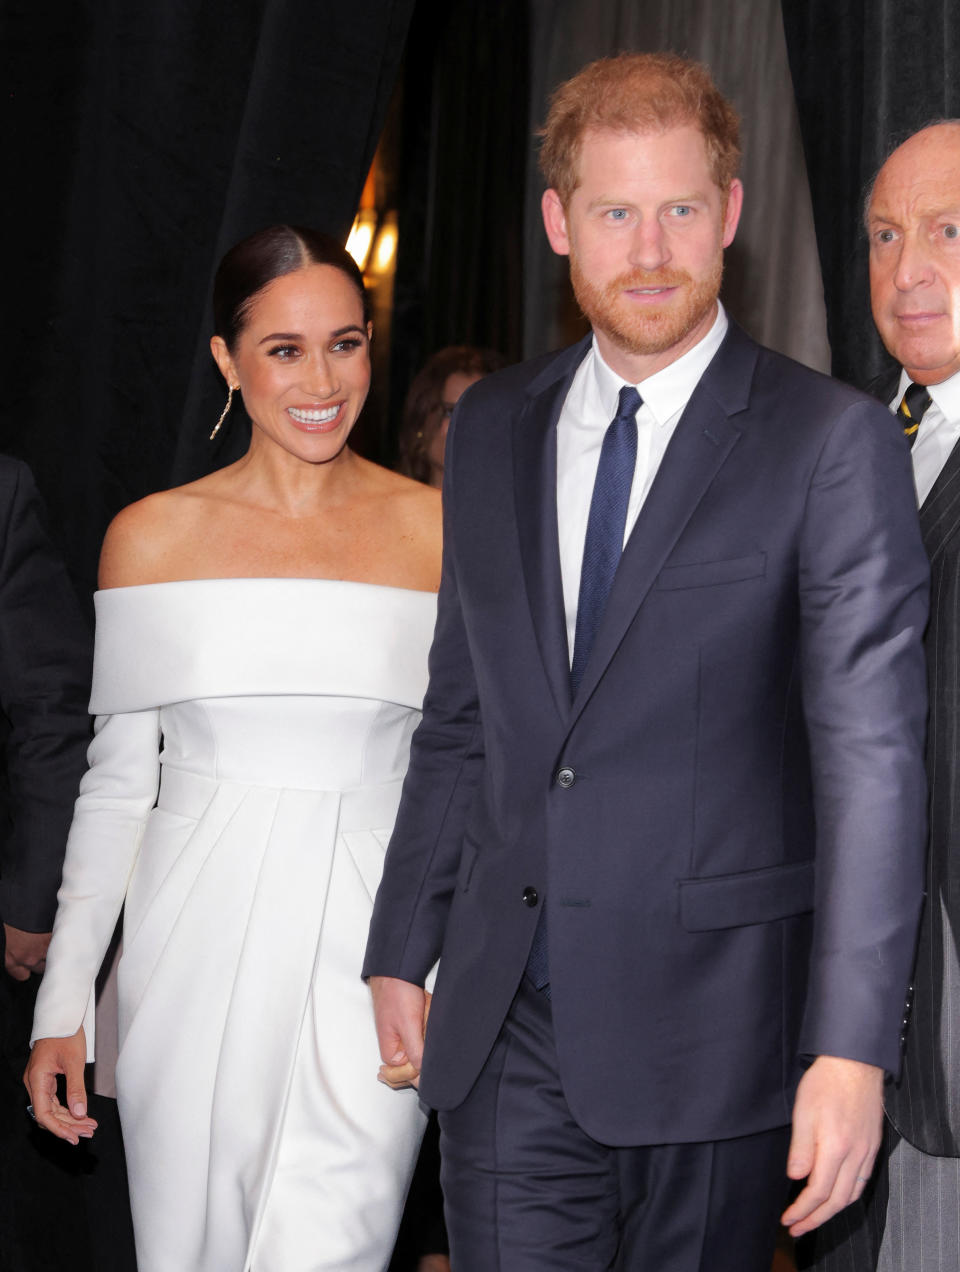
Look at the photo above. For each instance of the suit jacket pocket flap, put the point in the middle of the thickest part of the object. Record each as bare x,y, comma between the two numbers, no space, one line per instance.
707,573
754,896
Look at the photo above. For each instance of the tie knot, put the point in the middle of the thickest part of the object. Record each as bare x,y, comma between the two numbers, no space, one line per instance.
913,404
630,402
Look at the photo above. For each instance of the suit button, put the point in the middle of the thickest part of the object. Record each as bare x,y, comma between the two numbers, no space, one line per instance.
566,777
530,897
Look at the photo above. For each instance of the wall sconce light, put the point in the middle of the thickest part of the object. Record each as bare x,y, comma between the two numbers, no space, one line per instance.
386,245
360,239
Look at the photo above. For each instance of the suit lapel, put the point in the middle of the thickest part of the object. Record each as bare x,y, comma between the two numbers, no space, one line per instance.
703,439
940,511
535,493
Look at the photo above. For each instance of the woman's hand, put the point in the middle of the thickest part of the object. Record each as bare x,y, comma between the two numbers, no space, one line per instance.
49,1058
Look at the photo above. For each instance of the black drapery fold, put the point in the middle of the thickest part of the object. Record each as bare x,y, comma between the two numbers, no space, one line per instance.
464,148
145,138
866,74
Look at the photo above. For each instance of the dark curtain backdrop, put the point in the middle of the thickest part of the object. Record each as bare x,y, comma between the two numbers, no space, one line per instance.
463,154
139,140
866,74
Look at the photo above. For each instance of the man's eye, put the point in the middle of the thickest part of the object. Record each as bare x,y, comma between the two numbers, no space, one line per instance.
951,231
884,236
617,214
681,210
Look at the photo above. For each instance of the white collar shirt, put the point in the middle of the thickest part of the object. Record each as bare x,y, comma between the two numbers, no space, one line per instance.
590,405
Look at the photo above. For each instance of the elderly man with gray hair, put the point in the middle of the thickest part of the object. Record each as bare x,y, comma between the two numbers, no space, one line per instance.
908,1220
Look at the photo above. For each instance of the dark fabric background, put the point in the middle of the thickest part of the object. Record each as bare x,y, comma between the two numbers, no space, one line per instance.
140,139
463,155
866,74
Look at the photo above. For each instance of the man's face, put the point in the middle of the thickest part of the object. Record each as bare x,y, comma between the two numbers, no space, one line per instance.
914,228
645,231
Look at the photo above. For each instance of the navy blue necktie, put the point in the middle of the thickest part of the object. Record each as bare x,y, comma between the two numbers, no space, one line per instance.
601,555
605,525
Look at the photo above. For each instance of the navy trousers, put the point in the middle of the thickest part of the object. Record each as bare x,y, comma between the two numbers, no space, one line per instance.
527,1190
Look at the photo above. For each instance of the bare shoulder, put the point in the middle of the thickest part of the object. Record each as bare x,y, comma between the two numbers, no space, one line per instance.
414,509
403,495
406,528
142,538
415,500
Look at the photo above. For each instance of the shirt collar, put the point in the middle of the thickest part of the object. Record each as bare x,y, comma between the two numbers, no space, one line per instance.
669,391
946,396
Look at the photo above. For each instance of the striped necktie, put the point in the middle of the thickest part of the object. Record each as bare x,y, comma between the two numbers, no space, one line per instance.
912,406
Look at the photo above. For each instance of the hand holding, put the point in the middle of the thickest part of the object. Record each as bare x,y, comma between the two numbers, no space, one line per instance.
25,952
400,1009
49,1058
837,1128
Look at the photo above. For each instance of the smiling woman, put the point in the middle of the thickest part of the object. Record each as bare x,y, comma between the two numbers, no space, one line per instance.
302,358
270,623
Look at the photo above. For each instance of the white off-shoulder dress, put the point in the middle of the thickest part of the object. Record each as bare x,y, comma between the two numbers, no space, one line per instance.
251,740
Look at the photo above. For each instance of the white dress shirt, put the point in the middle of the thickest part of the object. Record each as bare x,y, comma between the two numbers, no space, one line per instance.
590,405
938,433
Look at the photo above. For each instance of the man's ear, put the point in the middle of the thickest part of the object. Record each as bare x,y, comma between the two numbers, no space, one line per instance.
555,222
731,214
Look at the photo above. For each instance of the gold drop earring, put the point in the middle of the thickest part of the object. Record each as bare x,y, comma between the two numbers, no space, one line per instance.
233,388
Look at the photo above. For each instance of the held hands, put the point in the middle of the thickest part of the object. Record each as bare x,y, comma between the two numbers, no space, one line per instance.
25,952
401,1011
50,1057
837,1126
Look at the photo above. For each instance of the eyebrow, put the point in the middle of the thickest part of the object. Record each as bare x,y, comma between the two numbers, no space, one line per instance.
890,218
297,335
607,201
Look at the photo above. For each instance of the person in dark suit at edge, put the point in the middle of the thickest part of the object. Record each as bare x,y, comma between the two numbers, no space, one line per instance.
664,819
45,656
909,1219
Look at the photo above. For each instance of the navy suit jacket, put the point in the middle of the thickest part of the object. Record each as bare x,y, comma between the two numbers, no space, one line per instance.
732,864
45,663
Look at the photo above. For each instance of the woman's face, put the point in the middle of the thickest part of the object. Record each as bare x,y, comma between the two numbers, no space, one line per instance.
302,362
454,386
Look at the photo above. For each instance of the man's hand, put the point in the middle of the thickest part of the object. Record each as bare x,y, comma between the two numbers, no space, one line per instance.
837,1126
400,1010
50,1057
25,952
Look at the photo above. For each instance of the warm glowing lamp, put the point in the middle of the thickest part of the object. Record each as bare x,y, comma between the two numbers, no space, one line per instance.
386,245
360,239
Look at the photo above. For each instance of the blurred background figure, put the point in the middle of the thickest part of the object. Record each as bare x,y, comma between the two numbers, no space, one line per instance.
434,393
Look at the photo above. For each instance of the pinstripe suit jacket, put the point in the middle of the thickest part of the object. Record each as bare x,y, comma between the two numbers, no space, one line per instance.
924,1105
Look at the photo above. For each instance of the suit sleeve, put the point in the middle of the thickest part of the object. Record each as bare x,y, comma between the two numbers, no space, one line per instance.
863,595
446,760
45,658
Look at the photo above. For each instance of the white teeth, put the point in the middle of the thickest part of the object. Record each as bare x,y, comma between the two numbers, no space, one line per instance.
313,417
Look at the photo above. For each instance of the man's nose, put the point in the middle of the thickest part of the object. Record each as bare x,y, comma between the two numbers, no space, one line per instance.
914,263
648,245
